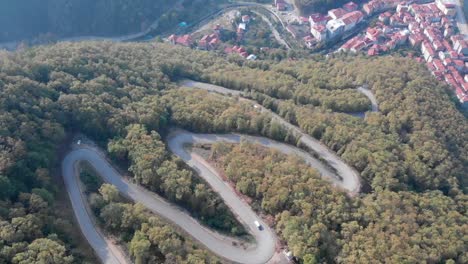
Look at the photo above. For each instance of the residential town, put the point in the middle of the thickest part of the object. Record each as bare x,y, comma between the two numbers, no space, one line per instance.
426,26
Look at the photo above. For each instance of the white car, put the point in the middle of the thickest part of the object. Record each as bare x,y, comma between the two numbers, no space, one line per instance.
258,225
78,142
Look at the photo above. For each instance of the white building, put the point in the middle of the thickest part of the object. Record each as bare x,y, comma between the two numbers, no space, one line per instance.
319,32
335,27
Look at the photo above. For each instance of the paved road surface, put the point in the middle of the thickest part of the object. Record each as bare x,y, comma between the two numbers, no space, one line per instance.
276,34
106,251
260,252
346,177
368,93
461,20
221,245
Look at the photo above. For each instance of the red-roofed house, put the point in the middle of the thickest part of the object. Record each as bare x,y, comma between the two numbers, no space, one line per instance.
427,51
281,6
319,31
350,43
459,65
309,41
350,6
385,17
461,46
209,42
373,51
185,40
416,39
462,97
351,19
373,33
315,19
336,13
464,85
438,46
438,65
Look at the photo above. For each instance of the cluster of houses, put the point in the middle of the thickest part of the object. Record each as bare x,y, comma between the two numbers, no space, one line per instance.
280,5
241,51
335,23
213,41
428,27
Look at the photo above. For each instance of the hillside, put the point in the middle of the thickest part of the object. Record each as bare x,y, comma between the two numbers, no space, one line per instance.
307,7
30,19
411,155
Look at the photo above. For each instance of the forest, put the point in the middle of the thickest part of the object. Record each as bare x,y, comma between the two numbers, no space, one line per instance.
50,19
147,237
411,155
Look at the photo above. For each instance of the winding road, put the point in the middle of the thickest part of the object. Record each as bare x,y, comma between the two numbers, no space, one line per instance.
275,32
368,93
221,245
262,251
346,177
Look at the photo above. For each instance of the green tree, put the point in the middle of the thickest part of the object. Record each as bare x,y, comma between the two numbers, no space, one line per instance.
139,247
109,192
43,250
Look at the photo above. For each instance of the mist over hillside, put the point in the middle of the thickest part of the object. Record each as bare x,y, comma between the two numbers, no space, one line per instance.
26,19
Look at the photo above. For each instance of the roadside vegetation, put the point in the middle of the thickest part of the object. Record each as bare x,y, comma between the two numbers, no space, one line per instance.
146,237
322,224
411,155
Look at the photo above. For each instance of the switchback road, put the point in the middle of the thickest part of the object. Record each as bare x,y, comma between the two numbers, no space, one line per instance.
260,252
345,177
331,167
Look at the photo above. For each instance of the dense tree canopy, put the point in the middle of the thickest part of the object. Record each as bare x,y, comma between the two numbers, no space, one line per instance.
49,19
411,155
322,224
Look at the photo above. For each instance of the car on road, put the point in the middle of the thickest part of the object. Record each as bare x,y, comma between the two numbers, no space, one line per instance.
258,225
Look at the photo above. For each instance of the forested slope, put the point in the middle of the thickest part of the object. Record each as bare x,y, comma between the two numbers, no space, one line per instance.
412,155
27,19
308,6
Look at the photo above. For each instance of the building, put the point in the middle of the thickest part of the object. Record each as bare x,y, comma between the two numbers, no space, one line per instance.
461,46
335,27
373,33
208,42
319,32
185,40
351,19
315,19
350,6
310,41
336,13
447,7
427,51
280,5
462,97
416,39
